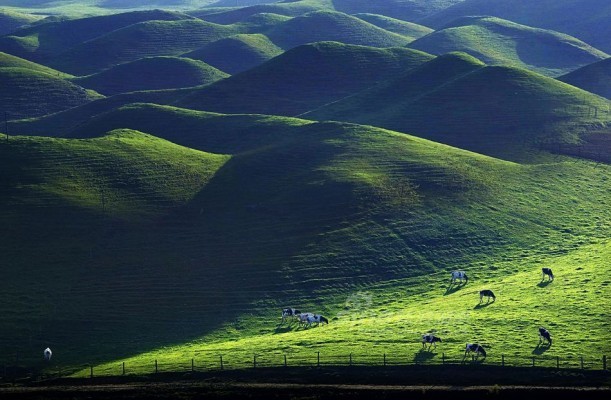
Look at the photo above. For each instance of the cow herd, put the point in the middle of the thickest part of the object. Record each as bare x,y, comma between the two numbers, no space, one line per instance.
475,349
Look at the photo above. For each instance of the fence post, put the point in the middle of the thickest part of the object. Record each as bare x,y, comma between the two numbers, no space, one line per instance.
533,361
285,364
604,363
443,358
558,362
254,361
384,359
91,371
318,359
581,362
350,360
221,362
156,366
502,360
123,368
192,365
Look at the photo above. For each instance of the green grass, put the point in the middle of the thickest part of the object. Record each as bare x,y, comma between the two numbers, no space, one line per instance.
595,78
403,28
43,42
30,93
587,20
237,53
408,10
454,99
292,9
10,20
10,61
143,39
500,42
304,78
152,73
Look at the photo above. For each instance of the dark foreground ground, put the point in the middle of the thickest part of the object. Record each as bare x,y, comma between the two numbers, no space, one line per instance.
377,383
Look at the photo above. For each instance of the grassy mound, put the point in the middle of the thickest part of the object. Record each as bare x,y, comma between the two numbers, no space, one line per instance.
292,9
408,10
303,78
153,73
10,61
29,93
10,20
454,99
595,78
403,28
500,42
237,53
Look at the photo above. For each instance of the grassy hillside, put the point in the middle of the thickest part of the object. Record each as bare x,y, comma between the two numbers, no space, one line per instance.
408,10
29,93
454,99
10,61
500,42
10,20
403,28
302,213
595,78
42,42
153,73
303,78
291,8
145,39
587,20
332,26
237,53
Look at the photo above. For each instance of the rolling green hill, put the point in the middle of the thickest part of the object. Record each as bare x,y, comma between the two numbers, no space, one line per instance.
42,42
499,42
291,8
303,78
587,20
595,78
10,20
144,39
454,99
30,93
332,26
10,61
408,10
153,73
237,53
261,23
294,212
403,28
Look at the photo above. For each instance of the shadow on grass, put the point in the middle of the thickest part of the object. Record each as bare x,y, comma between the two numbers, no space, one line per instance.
424,355
473,360
283,329
453,289
540,349
483,305
543,284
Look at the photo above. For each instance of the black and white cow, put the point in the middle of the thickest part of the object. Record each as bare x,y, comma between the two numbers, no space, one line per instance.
476,349
289,313
548,272
486,293
459,275
431,339
545,335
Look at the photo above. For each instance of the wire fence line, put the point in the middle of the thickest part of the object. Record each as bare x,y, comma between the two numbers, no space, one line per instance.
310,360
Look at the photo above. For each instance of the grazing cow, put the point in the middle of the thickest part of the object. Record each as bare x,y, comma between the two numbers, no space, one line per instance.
289,312
431,339
47,353
544,334
548,272
486,293
475,348
316,318
303,318
460,275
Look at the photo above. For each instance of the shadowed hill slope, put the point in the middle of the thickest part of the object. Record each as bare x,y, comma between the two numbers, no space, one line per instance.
499,42
408,10
331,206
595,78
29,93
332,26
590,20
303,78
237,53
454,99
11,21
10,61
291,9
144,39
152,73
42,42
403,28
